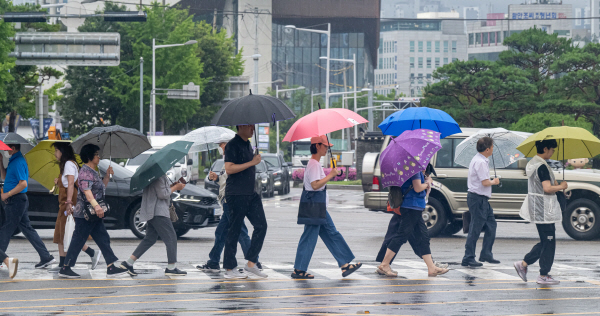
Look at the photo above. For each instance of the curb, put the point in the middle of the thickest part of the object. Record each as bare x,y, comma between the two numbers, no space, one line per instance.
345,187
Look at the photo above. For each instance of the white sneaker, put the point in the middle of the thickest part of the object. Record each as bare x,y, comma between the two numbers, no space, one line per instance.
13,264
547,280
256,271
96,258
234,274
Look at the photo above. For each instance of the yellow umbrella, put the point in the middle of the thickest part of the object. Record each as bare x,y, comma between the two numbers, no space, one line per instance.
43,166
573,142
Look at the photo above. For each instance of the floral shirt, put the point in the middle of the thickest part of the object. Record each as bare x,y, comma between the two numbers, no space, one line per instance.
88,179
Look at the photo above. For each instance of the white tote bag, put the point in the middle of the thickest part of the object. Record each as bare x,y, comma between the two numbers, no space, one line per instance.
69,229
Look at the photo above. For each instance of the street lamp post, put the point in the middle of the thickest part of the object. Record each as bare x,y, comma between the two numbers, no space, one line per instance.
153,97
277,96
328,33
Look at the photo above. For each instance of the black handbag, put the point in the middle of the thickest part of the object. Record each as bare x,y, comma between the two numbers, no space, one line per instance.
90,213
313,207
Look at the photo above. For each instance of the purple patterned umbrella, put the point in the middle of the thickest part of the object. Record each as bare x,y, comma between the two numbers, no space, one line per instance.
408,154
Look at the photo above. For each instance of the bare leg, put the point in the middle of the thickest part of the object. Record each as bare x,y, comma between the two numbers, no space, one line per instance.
251,264
61,250
385,263
431,268
85,247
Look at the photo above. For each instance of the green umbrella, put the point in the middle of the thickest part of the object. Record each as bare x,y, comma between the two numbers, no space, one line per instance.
158,164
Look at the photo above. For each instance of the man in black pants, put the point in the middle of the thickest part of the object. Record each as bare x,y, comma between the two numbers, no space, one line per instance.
243,202
541,207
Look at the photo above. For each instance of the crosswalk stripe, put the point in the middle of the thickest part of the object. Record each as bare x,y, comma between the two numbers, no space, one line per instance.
488,274
337,274
274,275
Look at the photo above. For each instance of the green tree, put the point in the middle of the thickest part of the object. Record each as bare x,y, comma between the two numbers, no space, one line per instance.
479,93
533,123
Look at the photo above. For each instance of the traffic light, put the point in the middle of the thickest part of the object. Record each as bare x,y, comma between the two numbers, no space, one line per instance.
25,17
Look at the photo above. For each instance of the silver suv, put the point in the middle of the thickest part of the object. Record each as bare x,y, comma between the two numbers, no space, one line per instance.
446,205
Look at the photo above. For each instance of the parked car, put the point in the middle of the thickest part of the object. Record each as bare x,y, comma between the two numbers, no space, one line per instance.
180,169
196,207
446,205
216,167
267,180
281,171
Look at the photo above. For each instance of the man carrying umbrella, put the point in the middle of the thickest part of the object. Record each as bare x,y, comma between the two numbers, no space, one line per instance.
243,202
212,265
542,208
482,214
16,177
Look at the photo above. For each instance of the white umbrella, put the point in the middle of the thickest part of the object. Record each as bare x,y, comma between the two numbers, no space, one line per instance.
204,138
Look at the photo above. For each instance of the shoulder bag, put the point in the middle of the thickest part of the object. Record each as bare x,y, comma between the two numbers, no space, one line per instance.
313,207
89,213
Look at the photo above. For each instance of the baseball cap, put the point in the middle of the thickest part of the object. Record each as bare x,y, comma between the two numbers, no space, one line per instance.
320,140
224,138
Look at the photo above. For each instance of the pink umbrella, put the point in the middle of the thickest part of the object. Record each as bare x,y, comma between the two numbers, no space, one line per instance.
323,122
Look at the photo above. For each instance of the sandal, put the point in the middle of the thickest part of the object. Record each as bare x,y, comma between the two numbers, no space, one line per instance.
299,274
347,270
389,273
440,272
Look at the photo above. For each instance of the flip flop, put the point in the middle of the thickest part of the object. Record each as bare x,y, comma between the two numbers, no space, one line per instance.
389,273
443,271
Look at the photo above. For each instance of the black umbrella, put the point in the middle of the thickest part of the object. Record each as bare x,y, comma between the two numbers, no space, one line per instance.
114,141
14,138
252,109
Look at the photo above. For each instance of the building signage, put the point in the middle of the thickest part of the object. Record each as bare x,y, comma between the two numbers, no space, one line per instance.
538,16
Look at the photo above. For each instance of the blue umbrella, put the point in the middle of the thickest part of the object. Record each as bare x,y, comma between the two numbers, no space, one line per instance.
420,118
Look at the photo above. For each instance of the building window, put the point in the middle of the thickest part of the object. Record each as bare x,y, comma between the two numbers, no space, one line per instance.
428,62
437,62
454,59
429,47
471,39
412,78
445,61
412,46
412,62
380,64
445,46
485,39
437,46
420,47
420,78
493,38
454,46
420,62
477,39
498,40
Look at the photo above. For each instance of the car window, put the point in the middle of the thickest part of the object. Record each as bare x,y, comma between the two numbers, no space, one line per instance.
445,156
218,165
271,161
139,159
261,167
120,172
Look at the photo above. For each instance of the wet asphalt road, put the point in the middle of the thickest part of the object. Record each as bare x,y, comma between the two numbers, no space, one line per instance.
491,290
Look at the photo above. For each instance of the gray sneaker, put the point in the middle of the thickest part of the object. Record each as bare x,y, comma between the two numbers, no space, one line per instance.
440,265
547,279
521,270
96,258
256,271
234,274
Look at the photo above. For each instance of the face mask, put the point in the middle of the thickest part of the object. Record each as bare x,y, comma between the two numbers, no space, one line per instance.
220,150
5,154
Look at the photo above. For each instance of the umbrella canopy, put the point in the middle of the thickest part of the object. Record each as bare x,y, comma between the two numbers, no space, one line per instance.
158,164
420,118
408,154
505,147
573,142
43,166
114,141
322,122
14,138
252,109
204,138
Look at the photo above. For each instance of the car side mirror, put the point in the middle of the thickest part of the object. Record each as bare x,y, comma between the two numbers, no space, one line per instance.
122,164
206,170
190,162
289,164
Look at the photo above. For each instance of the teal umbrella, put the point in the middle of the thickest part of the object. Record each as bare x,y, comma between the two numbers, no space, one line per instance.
158,164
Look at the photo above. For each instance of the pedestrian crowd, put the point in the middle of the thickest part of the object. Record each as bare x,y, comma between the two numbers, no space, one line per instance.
81,192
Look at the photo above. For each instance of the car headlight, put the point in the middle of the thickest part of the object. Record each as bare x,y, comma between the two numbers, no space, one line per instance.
265,180
184,173
187,198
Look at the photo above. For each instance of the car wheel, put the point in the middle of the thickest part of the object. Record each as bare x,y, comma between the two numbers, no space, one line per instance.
435,217
579,220
182,231
138,228
287,187
452,228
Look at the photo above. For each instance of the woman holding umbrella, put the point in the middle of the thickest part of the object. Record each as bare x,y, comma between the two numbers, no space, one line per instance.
67,194
90,191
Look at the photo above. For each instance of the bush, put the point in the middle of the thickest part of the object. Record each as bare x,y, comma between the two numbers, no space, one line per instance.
298,174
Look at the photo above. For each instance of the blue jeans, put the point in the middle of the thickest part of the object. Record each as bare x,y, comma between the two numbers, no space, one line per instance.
83,229
221,235
17,217
330,236
482,217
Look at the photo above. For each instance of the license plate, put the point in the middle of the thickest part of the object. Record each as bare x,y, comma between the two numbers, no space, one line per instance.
217,212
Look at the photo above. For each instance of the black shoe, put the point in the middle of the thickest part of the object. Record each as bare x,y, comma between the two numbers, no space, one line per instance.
116,271
207,268
67,273
259,266
490,260
125,265
471,263
45,263
175,272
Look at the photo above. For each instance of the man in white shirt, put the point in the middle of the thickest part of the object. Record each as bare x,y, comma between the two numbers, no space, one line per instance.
482,214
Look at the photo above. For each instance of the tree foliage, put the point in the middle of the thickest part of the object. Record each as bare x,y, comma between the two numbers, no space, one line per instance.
533,123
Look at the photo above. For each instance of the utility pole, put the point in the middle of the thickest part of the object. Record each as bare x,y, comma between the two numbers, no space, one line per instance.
41,108
214,21
256,51
142,95
370,111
